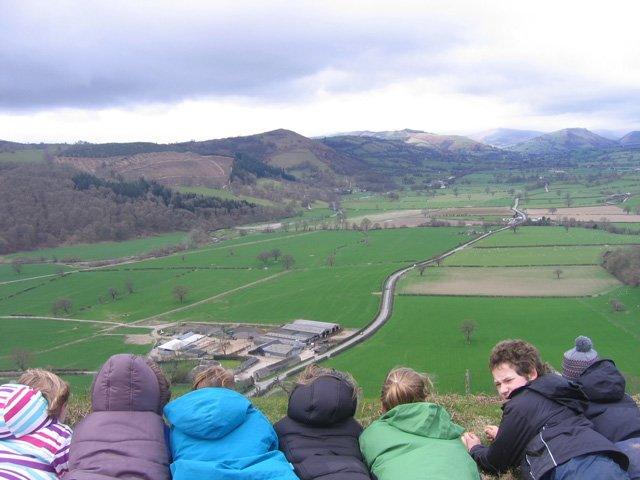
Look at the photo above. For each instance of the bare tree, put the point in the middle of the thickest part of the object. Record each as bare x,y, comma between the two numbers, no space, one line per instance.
421,269
365,224
558,272
288,261
61,304
16,265
468,327
617,305
180,292
568,201
276,253
21,358
331,259
264,257
113,293
129,286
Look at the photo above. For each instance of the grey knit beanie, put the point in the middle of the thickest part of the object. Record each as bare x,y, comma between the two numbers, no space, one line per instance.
577,359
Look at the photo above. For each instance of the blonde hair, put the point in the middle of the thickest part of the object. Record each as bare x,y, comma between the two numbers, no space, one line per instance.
215,376
404,385
54,389
312,372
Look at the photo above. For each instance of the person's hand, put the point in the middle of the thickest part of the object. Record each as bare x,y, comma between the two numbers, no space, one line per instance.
470,440
491,431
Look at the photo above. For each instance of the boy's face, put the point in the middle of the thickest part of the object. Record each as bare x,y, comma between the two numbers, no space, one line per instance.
506,379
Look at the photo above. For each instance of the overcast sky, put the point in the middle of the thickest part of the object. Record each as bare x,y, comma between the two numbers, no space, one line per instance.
171,71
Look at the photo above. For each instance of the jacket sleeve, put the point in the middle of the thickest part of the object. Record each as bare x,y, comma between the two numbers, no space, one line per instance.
508,448
61,459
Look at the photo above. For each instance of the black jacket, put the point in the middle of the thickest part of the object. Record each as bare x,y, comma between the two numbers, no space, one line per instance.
542,426
613,413
319,435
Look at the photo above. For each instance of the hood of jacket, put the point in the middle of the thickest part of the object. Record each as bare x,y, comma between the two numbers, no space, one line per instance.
208,413
325,401
125,383
23,410
560,390
423,419
602,382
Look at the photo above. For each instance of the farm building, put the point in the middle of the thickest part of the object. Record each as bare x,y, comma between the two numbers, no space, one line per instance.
180,343
275,348
303,332
320,329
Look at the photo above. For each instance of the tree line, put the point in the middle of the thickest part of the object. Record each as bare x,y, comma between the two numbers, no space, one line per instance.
624,264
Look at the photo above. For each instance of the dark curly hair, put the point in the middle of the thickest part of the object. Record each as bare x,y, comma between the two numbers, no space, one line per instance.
524,357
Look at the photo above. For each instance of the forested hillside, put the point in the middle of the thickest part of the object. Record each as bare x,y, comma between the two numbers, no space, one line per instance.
46,205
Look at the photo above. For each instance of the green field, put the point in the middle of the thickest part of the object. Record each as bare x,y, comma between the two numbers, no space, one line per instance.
104,250
536,236
29,270
223,193
221,282
424,334
505,256
550,281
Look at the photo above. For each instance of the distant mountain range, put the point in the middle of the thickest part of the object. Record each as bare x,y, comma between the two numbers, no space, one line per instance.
505,137
371,158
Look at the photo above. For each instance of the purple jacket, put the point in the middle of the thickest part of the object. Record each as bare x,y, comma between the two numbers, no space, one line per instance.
124,436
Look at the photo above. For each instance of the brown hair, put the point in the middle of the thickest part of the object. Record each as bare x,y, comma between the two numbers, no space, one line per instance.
163,382
215,376
312,372
54,389
404,385
521,355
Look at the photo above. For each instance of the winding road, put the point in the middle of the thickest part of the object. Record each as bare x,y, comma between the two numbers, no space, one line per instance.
384,312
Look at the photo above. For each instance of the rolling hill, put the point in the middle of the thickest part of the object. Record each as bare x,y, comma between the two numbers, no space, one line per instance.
631,139
565,141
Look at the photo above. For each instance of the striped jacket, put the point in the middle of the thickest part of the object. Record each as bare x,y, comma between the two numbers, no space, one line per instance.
33,445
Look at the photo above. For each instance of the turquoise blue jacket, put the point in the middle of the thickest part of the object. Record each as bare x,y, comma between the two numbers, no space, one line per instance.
218,434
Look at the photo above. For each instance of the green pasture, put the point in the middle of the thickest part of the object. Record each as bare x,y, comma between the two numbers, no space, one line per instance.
89,354
28,270
223,193
346,295
312,249
224,267
368,202
536,236
424,334
518,256
34,335
549,281
104,250
89,292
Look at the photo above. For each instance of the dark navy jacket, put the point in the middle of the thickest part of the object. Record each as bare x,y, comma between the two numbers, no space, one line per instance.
319,435
542,427
614,414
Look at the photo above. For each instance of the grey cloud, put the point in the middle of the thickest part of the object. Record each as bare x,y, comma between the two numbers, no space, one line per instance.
93,57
